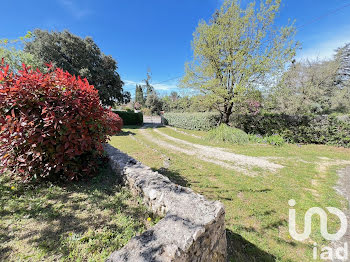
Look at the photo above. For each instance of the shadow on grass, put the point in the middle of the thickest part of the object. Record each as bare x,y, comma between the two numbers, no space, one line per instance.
144,126
125,133
241,250
173,176
52,212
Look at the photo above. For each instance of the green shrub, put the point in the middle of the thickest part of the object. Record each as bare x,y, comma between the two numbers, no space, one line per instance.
253,138
193,121
275,140
146,111
130,118
315,129
225,133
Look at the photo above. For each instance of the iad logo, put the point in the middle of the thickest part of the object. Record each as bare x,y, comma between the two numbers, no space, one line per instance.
327,252
323,218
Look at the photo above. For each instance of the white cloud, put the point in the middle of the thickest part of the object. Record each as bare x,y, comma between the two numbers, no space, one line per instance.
325,49
130,82
157,87
165,87
75,10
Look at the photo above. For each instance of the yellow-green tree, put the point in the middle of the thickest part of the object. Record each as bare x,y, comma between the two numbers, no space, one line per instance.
238,49
14,56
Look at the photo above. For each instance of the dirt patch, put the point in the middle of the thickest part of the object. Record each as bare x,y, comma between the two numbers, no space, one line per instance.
322,168
343,188
182,132
218,153
240,163
172,147
327,162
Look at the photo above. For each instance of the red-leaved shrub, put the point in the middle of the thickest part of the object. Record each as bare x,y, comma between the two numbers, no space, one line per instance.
114,123
52,124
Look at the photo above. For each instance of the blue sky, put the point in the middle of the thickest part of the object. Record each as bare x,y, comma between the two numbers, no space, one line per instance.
157,34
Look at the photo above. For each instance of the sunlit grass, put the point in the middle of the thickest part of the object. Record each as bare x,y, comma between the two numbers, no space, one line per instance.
256,207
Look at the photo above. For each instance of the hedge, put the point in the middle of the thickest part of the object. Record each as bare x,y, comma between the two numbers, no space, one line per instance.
130,118
308,129
316,129
193,121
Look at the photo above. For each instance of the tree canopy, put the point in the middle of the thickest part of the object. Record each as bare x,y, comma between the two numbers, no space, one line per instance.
236,50
343,57
306,87
79,57
14,56
312,87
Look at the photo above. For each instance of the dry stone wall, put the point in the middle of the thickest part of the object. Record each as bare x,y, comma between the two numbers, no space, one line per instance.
192,230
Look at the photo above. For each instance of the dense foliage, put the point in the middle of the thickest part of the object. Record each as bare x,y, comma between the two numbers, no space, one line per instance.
311,87
343,57
130,118
79,57
176,103
272,128
231,135
194,121
153,103
114,122
139,98
147,99
52,124
14,56
225,133
318,129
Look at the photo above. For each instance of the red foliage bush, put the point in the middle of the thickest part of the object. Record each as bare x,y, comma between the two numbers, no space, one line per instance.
114,122
52,124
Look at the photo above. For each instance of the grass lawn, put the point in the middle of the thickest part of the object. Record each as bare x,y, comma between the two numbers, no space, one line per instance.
81,221
256,205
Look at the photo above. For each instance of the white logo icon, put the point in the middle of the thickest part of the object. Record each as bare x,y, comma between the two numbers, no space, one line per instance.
323,218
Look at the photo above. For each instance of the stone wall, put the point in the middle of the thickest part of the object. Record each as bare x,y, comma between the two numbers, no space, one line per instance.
193,228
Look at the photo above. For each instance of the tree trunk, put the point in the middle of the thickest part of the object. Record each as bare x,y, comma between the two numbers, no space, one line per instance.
226,113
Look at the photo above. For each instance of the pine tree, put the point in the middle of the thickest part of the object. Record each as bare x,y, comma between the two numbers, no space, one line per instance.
139,95
149,88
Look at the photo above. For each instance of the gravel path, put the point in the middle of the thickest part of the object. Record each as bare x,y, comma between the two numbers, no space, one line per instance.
343,188
182,132
218,156
219,153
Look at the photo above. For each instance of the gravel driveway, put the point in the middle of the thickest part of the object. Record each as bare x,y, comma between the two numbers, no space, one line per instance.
214,155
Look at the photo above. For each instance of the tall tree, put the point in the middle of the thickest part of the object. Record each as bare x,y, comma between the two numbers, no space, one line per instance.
237,49
139,98
341,98
306,87
174,96
343,57
79,57
153,103
149,88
